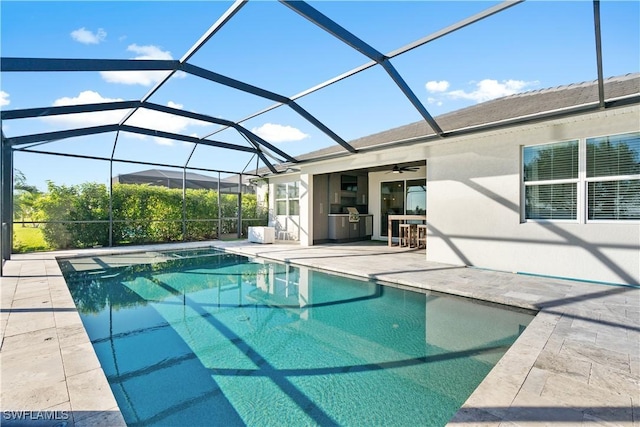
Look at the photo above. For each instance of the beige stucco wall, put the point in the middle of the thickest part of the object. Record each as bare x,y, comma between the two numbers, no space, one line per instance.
474,207
473,202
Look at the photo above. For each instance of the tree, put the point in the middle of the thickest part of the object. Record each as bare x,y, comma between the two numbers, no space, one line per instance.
25,197
55,206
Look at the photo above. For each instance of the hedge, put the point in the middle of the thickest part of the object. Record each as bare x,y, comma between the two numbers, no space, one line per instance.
77,216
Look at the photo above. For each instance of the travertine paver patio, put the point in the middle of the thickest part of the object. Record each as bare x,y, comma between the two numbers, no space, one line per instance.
578,362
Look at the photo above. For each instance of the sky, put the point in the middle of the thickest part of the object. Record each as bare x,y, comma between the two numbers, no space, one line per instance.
530,46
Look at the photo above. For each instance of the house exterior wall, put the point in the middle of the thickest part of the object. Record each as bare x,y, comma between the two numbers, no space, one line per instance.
474,202
474,207
262,194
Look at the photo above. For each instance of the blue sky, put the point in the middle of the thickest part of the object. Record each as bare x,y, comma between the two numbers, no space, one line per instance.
530,46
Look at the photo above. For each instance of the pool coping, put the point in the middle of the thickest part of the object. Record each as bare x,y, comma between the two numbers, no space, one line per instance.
578,361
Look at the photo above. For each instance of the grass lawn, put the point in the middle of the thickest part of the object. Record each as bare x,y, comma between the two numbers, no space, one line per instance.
28,239
31,239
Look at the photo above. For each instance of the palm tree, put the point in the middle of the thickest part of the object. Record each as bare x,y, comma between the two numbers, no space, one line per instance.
24,197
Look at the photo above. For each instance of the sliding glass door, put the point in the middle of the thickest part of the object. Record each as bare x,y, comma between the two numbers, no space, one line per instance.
391,203
406,197
416,197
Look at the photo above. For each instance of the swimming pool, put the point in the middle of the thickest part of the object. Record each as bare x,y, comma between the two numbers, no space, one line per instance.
204,337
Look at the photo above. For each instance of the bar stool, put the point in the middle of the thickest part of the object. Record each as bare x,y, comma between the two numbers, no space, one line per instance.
421,236
405,235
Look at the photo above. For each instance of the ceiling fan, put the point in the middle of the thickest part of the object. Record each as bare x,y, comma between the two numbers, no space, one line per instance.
402,169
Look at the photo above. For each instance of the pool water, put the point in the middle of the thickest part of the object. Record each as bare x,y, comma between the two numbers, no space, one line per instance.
203,337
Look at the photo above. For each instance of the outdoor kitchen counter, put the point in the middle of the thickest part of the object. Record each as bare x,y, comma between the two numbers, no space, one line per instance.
341,229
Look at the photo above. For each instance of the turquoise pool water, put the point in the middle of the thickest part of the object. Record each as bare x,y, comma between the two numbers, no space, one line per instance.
202,338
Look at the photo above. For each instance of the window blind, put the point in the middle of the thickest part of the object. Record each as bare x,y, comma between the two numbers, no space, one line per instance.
551,201
611,180
614,200
613,155
615,158
551,161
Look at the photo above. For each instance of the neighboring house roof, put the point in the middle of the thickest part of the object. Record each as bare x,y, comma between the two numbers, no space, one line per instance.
173,179
169,174
516,106
246,179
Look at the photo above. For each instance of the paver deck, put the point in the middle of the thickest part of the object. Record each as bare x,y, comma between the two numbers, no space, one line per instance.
577,363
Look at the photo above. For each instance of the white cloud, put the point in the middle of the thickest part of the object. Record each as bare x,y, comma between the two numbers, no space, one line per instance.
435,101
4,98
162,141
488,89
144,78
435,86
86,97
97,118
149,52
279,133
143,118
82,35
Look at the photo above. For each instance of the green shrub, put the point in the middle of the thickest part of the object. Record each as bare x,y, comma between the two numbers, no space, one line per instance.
77,216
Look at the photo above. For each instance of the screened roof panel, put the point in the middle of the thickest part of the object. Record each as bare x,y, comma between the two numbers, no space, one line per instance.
288,131
213,158
389,25
208,156
93,145
54,123
202,96
621,51
152,149
241,59
376,103
88,29
60,170
445,83
89,32
283,54
151,119
63,88
228,135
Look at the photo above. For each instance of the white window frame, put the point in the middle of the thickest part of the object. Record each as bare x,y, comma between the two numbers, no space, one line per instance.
287,199
611,178
575,181
582,184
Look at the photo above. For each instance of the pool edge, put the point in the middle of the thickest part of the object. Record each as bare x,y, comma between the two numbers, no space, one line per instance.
72,384
602,320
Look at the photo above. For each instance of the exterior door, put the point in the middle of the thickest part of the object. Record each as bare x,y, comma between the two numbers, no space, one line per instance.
391,203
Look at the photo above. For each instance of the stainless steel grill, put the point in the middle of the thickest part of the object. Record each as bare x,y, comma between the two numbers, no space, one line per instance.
354,215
